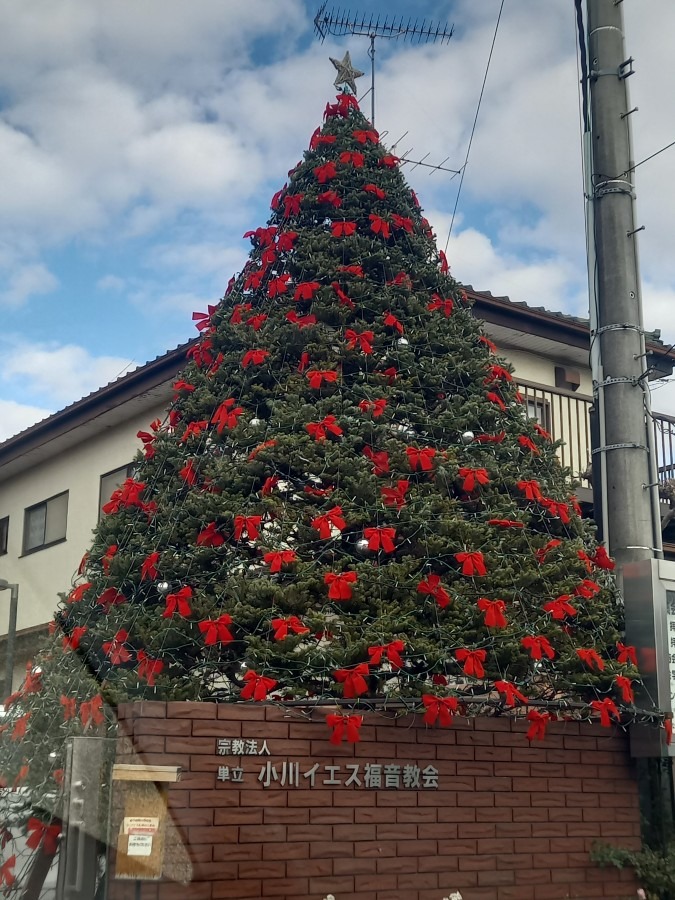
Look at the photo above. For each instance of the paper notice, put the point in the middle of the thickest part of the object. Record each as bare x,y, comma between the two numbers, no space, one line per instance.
139,845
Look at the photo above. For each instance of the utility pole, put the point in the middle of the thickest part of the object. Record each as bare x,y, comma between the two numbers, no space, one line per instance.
628,492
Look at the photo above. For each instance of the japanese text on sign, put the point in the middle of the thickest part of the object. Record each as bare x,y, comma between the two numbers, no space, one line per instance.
241,747
670,619
373,776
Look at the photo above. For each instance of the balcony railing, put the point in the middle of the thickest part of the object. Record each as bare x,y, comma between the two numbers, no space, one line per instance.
566,416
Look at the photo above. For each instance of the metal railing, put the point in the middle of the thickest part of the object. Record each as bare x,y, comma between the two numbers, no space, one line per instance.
566,416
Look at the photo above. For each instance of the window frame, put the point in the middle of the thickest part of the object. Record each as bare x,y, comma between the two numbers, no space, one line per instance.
25,551
4,535
130,468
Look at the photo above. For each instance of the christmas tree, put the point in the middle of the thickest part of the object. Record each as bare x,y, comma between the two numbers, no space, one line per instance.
345,503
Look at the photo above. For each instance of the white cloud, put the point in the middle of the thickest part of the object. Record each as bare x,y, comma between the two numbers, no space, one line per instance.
15,417
110,283
58,373
26,281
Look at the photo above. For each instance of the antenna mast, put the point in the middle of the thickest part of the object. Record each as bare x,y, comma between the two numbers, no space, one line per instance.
339,22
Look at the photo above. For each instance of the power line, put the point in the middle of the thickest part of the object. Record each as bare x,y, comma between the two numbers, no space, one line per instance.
647,158
475,120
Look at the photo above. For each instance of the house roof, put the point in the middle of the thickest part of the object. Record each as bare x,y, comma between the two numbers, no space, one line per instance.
514,324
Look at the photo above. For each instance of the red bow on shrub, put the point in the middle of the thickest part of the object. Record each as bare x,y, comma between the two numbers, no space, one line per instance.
339,584
72,641
292,204
226,415
253,280
278,285
210,536
178,602
300,321
510,692
127,495
193,429
602,560
375,190
391,650
538,724
395,496
343,229
247,525
353,681
263,236
555,508
20,725
278,558
320,430
473,661
330,197
432,586
352,157
76,595
286,241
497,373
149,566
148,443
216,631
306,290
627,654
39,832
317,139
235,318
439,709
377,407
361,339
111,597
257,687
380,539
591,659
256,322
607,711
325,523
496,399
325,172
422,459
201,353
6,871
506,523
401,278
560,607
587,589
344,727
355,270
316,377
491,438
445,267
92,711
404,223
472,478
445,305
108,557
365,135
390,321
488,343
543,552
379,459
283,626
538,646
389,161
342,297
494,612
188,473
472,562
148,668
69,705
254,358
625,686
115,649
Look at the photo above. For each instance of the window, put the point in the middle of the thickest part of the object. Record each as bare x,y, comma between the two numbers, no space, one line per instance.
110,481
539,409
4,531
45,523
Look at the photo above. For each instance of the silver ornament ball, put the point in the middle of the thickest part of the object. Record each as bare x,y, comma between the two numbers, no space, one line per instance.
468,437
163,587
403,342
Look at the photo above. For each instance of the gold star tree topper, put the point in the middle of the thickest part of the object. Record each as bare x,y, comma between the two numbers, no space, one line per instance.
346,73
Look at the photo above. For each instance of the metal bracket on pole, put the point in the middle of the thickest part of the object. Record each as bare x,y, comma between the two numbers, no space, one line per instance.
619,326
614,186
623,379
625,446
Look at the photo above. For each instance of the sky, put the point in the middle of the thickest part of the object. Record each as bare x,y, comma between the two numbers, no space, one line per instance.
139,140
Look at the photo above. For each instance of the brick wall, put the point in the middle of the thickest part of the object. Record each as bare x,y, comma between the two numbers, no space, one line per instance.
508,820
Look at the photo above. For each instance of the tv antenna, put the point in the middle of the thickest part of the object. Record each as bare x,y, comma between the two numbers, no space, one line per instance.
340,22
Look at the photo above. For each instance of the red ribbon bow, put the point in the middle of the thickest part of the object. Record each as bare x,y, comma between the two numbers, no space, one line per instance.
92,711
178,602
625,686
343,229
342,297
300,321
395,496
538,724
201,353
403,222
216,631
278,558
6,871
193,429
543,552
365,135
361,339
446,305
401,278
377,407
278,285
472,478
491,438
20,725
326,522
497,373
264,237
375,190
38,832
560,607
283,626
306,290
378,225
422,459
226,415
380,539
210,536
353,681
602,559
127,495
607,710
392,651
320,430
506,523
72,641
473,661
149,566
286,241
390,321
538,646
148,668
330,197
627,654
587,589
591,659
488,343
379,459
325,172
254,358
494,612
439,709
317,139
257,687
292,204
253,280
188,473
352,157
496,399
555,508
472,562
316,377
115,649
69,705
247,525
344,727
389,161
432,586
111,597
339,584
511,693
148,443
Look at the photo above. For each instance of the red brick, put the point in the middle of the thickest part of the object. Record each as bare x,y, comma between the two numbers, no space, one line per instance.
237,816
478,738
285,887
264,798
419,881
416,814
477,863
437,831
305,868
395,864
490,814
256,833
188,709
332,816
375,814
214,798
231,890
298,850
197,891
213,728
216,834
190,745
477,798
495,845
496,878
377,849
351,866
163,726
282,815
236,712
240,852
329,849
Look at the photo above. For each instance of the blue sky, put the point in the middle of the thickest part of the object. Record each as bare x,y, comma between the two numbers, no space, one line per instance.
140,140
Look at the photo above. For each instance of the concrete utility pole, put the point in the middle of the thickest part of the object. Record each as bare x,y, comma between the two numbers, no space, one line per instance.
617,329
